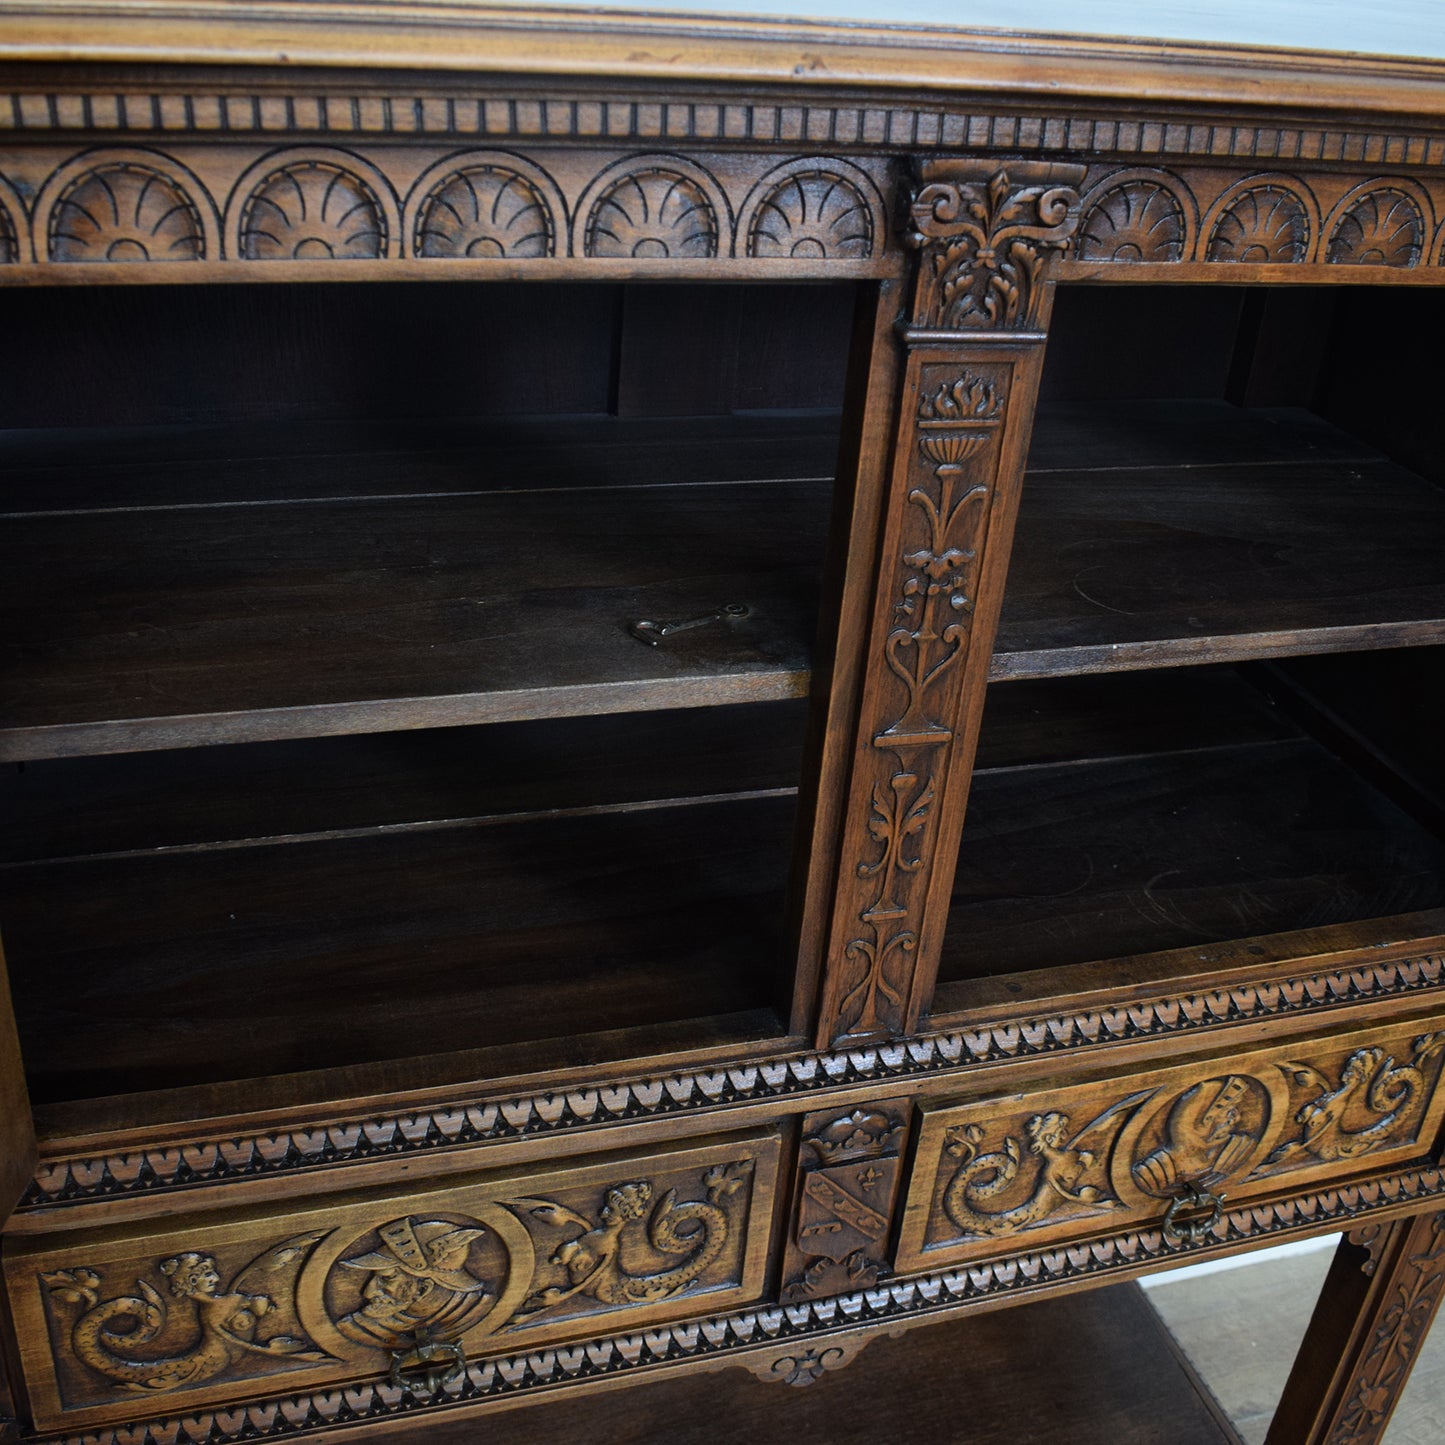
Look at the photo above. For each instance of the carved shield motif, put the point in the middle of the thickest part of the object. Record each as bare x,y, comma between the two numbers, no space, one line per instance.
843,1208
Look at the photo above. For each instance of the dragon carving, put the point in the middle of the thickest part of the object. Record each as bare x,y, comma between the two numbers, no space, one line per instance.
112,1335
1372,1087
982,1177
596,1262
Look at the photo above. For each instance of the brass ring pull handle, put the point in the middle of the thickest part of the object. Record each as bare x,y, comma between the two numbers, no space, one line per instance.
1192,1214
427,1365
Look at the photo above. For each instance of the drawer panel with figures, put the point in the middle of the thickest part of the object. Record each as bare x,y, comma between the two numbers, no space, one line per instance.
1170,1146
406,1285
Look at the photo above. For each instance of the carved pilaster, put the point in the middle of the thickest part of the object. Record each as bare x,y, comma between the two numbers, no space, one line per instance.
973,349
1372,1316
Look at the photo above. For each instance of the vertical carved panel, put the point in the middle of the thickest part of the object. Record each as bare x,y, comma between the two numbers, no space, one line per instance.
972,358
1383,1290
848,1186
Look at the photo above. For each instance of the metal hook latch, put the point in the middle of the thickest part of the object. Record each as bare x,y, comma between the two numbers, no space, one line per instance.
653,632
428,1365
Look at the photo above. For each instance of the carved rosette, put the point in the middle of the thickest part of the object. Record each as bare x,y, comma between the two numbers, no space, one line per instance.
813,213
985,243
125,212
312,210
1263,224
1381,228
652,213
485,211
1140,220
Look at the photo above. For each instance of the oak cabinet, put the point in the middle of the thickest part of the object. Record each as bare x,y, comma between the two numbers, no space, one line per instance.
662,722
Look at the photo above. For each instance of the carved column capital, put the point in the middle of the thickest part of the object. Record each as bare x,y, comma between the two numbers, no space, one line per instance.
986,234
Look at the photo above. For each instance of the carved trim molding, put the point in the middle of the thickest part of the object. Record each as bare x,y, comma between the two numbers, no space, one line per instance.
74,1180
803,1332
329,203
203,113
1148,215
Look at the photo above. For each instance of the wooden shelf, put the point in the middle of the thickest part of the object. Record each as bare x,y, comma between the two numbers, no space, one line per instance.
1159,534
215,964
1105,852
1091,1369
412,602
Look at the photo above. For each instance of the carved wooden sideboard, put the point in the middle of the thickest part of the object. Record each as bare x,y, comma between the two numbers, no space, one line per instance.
486,888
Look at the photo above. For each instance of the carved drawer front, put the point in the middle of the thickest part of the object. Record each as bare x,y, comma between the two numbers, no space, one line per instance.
1013,1172
123,1323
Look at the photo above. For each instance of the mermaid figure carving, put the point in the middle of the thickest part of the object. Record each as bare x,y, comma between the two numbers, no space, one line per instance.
594,1261
112,1336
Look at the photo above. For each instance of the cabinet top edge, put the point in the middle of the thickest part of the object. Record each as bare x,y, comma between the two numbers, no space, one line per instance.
461,37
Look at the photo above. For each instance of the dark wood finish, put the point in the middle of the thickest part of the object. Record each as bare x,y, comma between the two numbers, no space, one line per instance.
1089,1368
351,958
234,625
407,944
1382,1292
1067,863
1151,566
17,1131
204,797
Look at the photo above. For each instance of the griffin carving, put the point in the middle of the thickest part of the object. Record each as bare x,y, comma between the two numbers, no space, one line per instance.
596,1261
112,1335
1372,1087
983,1177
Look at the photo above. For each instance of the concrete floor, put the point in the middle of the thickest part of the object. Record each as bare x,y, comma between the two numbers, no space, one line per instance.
1240,1322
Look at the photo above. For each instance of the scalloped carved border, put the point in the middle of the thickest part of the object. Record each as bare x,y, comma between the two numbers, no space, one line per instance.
743,1335
72,1181
331,203
1265,217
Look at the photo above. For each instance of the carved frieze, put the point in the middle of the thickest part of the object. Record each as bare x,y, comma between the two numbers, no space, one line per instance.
72,1181
1075,1159
1291,219
331,1294
332,203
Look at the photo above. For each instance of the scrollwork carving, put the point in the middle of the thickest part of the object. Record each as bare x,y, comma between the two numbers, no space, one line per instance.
125,211
984,246
485,211
254,1315
1403,1319
1064,1166
311,210
695,1232
1383,227
652,213
1370,1108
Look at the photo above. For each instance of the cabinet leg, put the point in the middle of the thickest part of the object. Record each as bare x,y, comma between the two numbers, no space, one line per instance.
1370,1320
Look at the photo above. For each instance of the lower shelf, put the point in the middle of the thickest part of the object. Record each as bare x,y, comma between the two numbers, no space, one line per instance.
1090,1369
1195,820
484,890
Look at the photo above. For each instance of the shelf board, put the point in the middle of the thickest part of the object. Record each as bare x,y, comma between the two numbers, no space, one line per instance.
200,798
1095,1368
1215,535
246,621
1110,857
161,970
